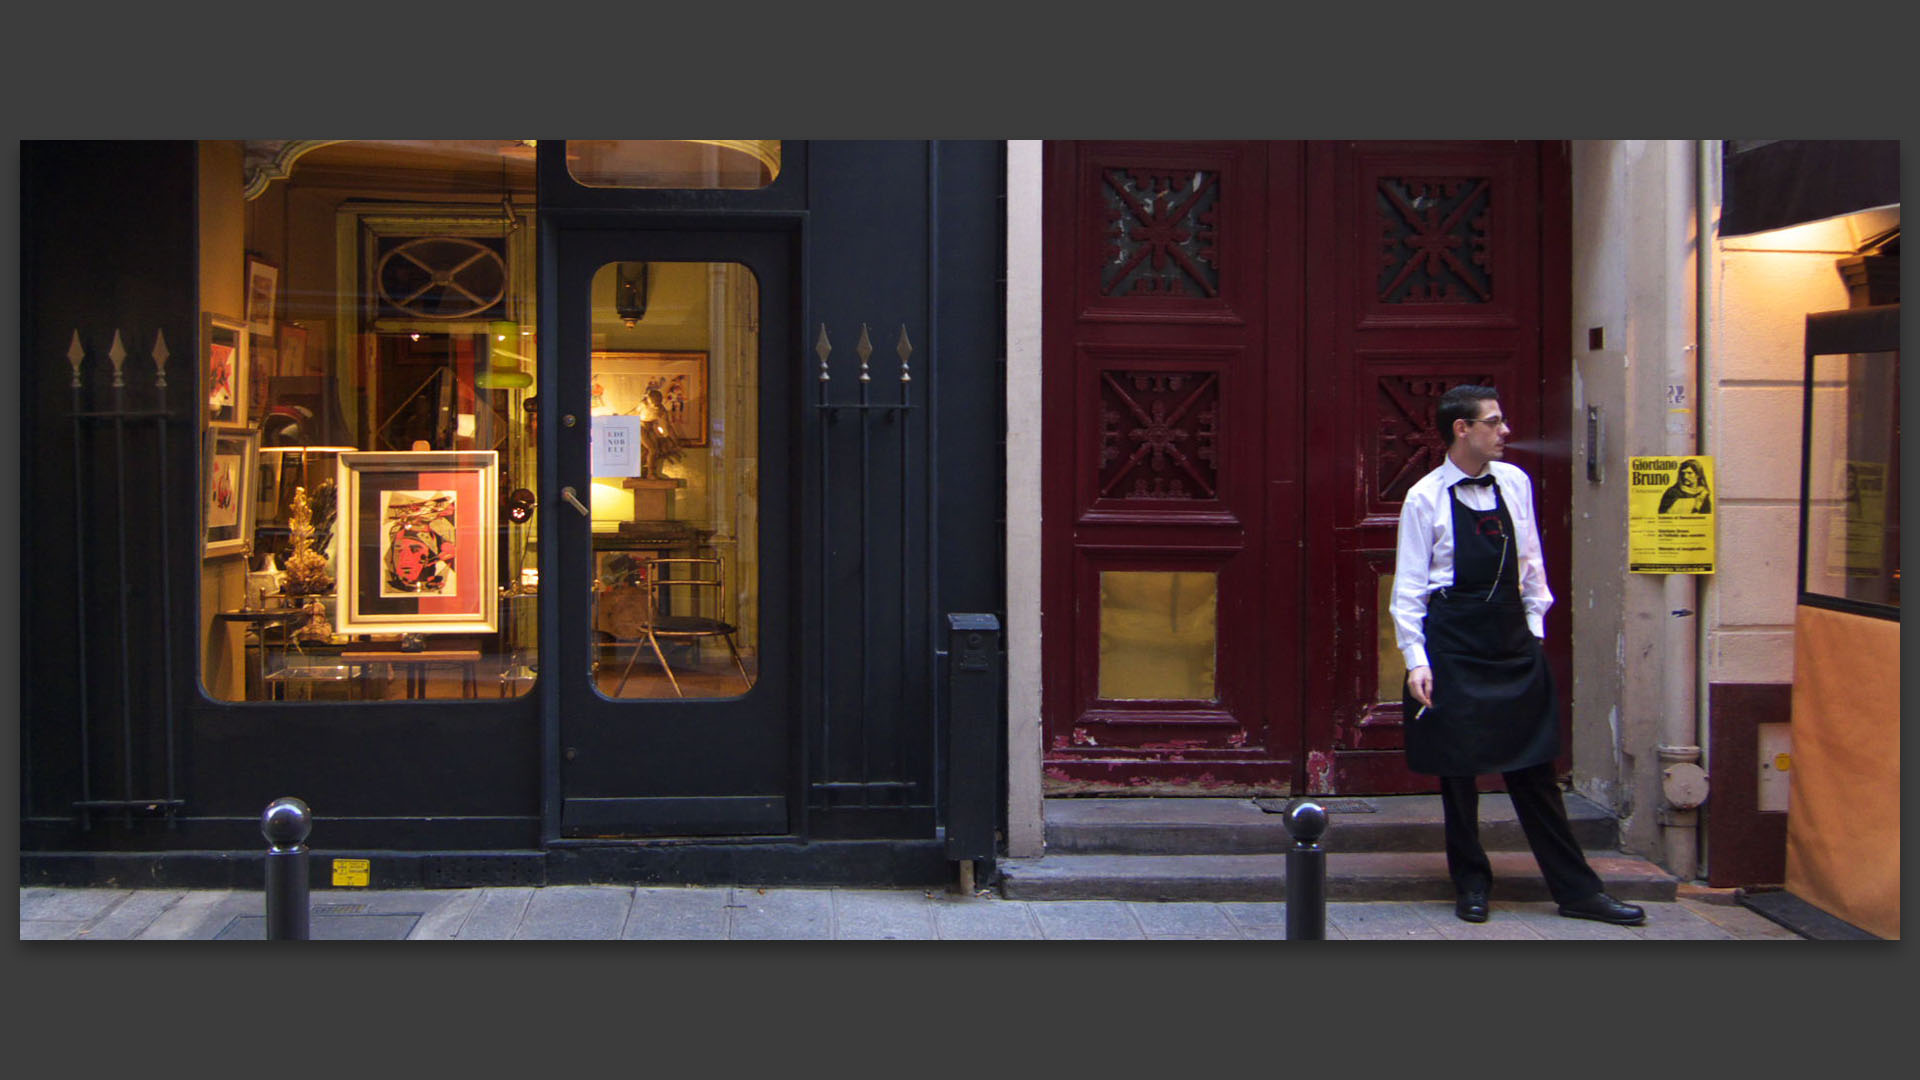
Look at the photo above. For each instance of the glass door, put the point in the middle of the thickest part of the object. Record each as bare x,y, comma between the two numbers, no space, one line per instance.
673,515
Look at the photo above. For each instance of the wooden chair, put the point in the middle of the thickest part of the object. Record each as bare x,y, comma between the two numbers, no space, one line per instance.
666,605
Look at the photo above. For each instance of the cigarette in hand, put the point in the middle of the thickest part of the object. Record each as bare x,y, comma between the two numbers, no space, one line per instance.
1422,712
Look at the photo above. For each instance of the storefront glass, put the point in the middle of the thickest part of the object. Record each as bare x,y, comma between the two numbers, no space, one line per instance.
674,499
367,357
733,164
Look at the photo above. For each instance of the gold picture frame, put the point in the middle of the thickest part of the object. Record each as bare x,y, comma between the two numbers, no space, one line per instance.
620,381
418,542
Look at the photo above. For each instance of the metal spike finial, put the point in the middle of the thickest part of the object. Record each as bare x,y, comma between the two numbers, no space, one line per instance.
865,349
905,349
822,348
75,354
160,355
117,354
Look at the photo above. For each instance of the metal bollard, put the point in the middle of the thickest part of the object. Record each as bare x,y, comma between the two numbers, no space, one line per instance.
1306,873
285,824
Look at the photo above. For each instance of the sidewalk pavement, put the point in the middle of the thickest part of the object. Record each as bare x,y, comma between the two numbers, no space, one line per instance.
744,913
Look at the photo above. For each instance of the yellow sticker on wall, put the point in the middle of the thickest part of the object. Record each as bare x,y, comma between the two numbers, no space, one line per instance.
351,872
1670,514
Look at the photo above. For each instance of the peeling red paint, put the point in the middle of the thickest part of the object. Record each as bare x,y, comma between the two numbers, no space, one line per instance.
1057,773
1319,773
1176,745
1238,738
1083,737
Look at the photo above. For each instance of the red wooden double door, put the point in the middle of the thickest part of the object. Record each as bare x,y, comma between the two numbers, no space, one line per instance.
1244,344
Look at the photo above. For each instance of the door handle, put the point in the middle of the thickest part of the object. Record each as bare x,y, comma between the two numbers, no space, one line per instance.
573,500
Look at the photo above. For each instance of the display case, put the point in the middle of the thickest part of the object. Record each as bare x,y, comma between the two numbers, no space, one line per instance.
1850,463
1843,795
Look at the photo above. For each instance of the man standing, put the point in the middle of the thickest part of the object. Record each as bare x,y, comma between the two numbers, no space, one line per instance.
1469,606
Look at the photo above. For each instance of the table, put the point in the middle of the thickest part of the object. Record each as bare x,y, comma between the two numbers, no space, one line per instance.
256,623
416,664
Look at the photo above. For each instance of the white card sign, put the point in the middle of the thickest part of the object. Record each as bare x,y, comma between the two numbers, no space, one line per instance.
616,446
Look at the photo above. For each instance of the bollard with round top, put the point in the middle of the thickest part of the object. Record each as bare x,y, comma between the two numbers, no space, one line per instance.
286,824
1306,873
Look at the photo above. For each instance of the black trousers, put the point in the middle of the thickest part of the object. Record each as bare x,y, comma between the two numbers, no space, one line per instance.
1543,817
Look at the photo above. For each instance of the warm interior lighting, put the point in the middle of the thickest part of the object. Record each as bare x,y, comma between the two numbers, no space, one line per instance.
503,359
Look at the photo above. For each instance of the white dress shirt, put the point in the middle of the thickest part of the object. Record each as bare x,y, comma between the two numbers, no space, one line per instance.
1425,561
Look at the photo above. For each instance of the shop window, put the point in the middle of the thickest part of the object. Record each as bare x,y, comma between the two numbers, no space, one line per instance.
1850,508
675,499
1157,635
729,164
371,425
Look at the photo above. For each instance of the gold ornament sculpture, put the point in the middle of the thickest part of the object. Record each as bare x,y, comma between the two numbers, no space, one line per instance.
306,568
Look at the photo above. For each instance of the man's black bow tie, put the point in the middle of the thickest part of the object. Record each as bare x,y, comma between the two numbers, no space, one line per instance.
1477,481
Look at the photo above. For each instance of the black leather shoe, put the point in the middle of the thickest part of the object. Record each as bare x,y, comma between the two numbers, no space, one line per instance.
1471,905
1604,908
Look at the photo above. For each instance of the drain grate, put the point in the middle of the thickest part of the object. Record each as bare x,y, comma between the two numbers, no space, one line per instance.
1331,806
336,909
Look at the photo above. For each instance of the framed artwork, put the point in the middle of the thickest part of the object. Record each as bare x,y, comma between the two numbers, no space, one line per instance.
232,463
292,358
263,285
224,369
419,553
266,490
623,381
262,369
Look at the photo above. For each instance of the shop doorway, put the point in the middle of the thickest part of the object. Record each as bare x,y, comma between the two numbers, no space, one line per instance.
668,530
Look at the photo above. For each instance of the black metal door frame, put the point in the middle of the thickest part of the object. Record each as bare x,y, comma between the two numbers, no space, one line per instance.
652,768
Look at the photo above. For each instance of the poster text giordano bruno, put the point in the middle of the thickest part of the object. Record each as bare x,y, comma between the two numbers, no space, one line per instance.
1648,471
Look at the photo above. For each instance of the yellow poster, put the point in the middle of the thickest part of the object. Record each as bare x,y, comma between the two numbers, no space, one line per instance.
1670,504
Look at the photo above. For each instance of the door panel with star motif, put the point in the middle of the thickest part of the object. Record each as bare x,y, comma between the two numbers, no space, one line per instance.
1162,613
1244,345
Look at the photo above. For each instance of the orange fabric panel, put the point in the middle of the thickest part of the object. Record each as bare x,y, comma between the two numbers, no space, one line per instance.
1843,812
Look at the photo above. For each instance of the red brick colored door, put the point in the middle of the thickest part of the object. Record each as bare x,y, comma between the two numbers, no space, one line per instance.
1243,343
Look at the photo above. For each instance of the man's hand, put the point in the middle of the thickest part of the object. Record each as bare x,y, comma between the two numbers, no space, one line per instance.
1420,685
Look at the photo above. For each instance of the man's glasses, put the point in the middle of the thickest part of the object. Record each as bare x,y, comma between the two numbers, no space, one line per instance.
1496,421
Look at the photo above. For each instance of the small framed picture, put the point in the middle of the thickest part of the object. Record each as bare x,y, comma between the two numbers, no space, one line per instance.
292,358
653,386
420,550
263,286
224,368
232,462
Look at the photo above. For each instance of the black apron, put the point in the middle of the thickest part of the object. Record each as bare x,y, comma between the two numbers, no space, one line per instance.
1494,706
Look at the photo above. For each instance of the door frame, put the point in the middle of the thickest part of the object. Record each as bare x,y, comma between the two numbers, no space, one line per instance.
573,243
1301,675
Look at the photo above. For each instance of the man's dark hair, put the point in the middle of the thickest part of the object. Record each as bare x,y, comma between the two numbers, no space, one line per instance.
1461,403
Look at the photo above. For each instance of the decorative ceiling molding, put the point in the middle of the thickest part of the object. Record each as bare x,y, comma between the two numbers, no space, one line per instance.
267,160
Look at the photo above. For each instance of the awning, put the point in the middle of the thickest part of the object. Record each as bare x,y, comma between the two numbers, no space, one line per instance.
1773,183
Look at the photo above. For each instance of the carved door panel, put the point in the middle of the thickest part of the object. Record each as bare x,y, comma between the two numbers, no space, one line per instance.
1428,273
1162,615
1244,343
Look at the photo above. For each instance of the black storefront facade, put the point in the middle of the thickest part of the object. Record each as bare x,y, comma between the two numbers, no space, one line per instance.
855,300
